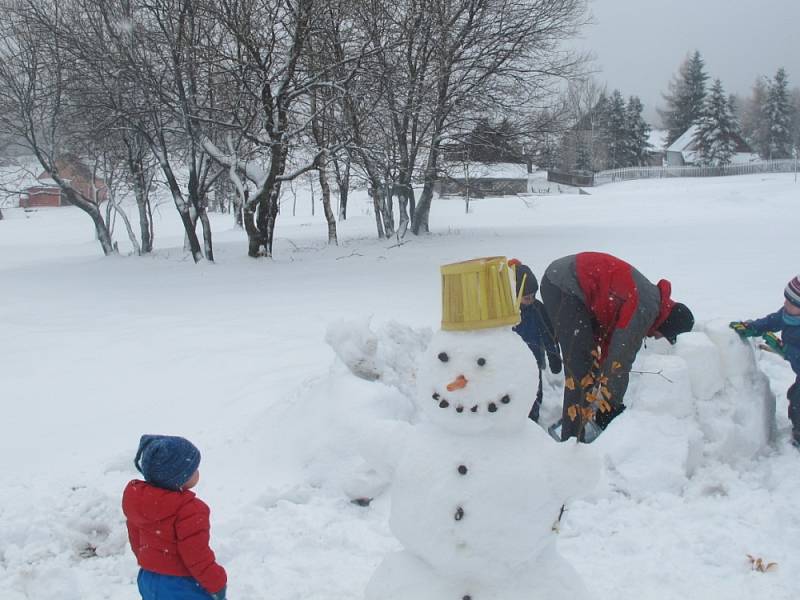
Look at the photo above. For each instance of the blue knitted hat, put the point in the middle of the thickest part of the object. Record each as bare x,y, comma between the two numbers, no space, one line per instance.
166,461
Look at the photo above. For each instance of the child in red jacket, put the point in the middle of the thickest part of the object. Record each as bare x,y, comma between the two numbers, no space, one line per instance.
168,526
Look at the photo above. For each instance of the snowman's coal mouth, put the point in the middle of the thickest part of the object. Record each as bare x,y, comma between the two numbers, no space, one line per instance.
461,408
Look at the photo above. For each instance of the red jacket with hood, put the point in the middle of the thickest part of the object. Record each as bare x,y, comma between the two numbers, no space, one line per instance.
169,533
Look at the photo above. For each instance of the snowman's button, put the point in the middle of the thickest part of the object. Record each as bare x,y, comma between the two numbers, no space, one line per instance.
505,399
466,597
462,469
459,514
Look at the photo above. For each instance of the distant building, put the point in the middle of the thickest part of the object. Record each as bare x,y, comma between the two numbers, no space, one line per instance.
47,192
658,142
683,151
484,179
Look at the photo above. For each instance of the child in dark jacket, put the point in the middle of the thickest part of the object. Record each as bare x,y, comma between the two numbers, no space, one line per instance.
535,328
168,526
787,321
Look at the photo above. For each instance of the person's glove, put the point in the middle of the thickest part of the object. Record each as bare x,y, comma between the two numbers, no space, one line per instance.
220,595
743,328
774,343
555,363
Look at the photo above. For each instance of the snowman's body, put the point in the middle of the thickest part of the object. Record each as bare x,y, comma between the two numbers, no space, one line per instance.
479,487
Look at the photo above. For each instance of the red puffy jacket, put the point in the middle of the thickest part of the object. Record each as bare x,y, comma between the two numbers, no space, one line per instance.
613,292
169,533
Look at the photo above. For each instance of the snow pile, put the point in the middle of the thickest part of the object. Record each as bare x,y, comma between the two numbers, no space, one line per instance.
42,543
700,402
389,354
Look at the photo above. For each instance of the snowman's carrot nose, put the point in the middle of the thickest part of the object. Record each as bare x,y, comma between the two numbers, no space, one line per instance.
457,384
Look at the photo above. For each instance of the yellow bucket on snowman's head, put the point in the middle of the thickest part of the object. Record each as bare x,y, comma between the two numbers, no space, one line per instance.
478,294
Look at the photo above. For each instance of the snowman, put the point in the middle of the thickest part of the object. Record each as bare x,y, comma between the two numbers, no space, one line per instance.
478,486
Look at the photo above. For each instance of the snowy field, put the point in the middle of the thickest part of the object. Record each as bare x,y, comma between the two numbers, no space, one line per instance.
97,351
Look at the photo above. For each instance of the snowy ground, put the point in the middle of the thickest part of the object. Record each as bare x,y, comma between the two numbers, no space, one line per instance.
232,355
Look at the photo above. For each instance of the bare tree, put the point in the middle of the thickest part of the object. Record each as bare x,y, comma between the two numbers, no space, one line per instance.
35,107
487,52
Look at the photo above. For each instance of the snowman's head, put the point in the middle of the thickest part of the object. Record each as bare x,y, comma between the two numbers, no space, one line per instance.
477,381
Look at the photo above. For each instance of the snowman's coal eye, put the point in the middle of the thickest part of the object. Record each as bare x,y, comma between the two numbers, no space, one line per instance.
443,356
481,362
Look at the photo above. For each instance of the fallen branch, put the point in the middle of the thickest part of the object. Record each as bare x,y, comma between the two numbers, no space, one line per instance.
660,373
349,255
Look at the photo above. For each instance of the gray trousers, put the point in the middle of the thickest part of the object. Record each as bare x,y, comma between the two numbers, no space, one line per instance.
573,327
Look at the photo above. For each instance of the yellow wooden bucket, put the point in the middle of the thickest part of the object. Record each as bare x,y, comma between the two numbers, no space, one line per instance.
478,294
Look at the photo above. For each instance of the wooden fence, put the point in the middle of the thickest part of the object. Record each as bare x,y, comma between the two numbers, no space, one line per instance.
766,166
580,179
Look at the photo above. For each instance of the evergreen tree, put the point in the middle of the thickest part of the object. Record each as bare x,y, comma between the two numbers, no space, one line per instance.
795,103
615,131
583,154
753,121
598,137
717,130
777,113
687,92
638,134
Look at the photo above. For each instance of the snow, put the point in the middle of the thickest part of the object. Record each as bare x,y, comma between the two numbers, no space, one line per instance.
232,355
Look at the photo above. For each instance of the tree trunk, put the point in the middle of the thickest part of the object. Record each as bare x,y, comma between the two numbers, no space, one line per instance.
185,211
103,234
419,223
326,200
207,244
343,183
140,192
199,206
387,209
131,236
375,191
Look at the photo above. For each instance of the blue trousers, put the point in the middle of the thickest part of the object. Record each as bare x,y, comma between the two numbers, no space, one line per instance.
155,586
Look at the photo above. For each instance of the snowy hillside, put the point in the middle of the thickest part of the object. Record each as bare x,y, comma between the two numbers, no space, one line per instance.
233,355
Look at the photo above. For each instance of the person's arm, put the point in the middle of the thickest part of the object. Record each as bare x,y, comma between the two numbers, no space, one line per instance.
133,537
624,345
193,531
773,322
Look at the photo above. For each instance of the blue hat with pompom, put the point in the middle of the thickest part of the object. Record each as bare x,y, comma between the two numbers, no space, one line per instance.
166,461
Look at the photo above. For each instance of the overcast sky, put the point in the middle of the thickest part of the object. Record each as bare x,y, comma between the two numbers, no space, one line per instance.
639,44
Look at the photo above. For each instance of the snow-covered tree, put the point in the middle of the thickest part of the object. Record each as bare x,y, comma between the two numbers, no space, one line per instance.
687,92
638,133
717,129
753,121
777,113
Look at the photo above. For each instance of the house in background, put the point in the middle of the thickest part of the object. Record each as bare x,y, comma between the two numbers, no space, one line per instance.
46,192
658,147
683,151
479,180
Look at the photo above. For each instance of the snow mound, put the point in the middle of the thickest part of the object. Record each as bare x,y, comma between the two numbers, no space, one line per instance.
702,401
389,355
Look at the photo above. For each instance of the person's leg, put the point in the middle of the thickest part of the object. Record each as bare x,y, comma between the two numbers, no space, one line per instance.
793,395
144,582
573,326
534,414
